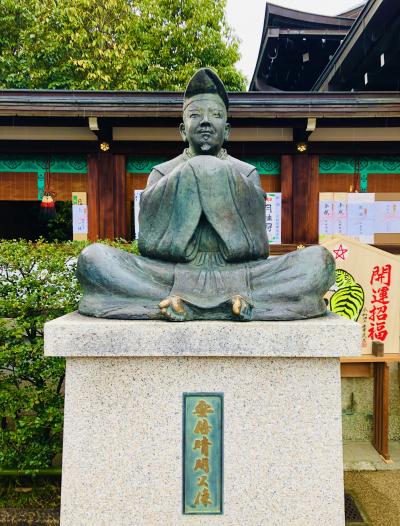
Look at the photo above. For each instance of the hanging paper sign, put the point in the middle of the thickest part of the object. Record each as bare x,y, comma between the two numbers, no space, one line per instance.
136,208
79,216
361,216
326,227
387,217
202,453
333,215
340,214
366,291
273,217
369,218
79,219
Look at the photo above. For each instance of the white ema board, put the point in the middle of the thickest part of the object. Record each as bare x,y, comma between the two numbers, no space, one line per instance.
367,291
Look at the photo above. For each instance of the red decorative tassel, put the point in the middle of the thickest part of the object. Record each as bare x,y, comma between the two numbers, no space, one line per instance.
47,206
47,201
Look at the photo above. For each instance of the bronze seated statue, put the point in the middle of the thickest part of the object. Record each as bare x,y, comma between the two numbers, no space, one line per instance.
203,242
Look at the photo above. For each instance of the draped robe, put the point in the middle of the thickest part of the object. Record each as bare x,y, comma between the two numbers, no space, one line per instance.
203,238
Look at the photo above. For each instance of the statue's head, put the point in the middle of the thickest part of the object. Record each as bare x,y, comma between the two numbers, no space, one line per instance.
205,113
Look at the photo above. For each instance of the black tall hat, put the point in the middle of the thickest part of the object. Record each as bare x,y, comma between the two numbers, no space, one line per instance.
205,80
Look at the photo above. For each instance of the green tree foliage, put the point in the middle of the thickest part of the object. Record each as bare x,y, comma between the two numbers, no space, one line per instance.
37,284
114,44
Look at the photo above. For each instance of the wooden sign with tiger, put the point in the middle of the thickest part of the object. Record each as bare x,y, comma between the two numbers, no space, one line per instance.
367,291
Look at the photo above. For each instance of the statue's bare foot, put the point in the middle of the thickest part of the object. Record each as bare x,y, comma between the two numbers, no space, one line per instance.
241,309
174,309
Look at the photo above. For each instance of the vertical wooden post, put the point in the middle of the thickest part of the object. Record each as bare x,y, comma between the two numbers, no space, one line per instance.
305,198
120,217
378,348
105,169
287,198
106,196
93,198
381,409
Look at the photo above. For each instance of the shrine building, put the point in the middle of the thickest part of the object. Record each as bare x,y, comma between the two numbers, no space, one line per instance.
322,115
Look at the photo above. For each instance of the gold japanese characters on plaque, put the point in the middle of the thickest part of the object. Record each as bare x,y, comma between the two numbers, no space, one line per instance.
202,453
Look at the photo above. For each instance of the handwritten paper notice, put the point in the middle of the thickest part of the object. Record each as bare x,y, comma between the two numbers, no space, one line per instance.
387,217
361,213
136,208
80,225
340,214
273,217
358,215
326,215
79,219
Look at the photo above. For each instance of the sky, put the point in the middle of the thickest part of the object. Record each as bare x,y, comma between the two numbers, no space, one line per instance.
246,17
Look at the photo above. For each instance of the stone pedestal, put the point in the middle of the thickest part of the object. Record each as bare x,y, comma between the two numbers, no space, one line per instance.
122,461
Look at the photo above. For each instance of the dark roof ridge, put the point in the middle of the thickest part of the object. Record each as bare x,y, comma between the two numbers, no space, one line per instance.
291,13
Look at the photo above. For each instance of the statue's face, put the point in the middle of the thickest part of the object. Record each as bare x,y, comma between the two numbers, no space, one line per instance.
204,124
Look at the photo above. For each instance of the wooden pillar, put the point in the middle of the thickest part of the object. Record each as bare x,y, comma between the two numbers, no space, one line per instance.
105,167
106,196
287,198
93,198
305,198
120,217
381,409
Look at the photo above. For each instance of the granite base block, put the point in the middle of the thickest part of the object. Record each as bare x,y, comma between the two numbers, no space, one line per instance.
122,458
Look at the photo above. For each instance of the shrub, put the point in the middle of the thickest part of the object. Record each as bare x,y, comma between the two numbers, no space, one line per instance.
37,284
59,228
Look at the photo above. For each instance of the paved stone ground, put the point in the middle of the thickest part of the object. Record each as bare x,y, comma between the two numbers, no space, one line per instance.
378,494
374,483
361,456
13,517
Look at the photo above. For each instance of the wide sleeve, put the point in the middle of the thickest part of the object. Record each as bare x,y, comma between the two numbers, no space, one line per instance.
153,178
254,177
169,214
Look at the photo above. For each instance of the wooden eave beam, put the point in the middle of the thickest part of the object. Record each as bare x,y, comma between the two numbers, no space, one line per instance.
257,105
364,61
350,40
312,32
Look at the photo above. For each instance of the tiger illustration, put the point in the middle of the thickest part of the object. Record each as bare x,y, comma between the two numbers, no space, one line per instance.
348,297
